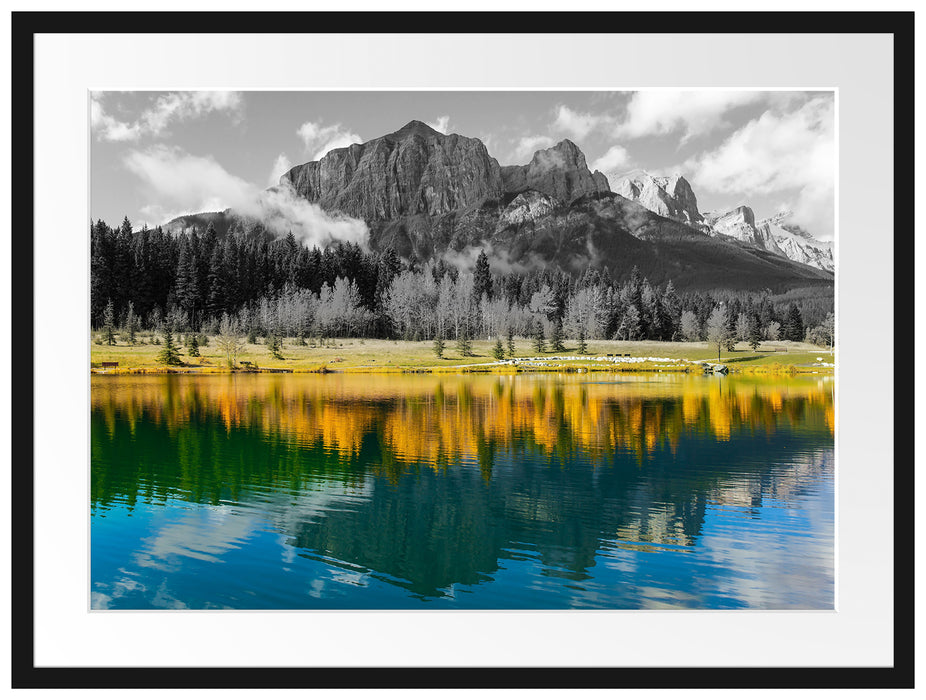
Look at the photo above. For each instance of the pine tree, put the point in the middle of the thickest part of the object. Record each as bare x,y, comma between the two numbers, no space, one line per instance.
556,336
754,332
170,355
273,347
498,352
439,346
794,324
464,344
192,345
583,346
510,342
482,278
539,340
131,323
109,323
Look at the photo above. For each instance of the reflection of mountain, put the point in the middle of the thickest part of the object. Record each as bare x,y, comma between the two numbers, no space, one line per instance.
431,481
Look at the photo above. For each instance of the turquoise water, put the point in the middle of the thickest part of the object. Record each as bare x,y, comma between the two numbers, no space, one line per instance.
428,492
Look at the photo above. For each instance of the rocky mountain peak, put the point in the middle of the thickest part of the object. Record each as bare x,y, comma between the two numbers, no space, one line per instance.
412,129
560,172
741,215
413,171
668,196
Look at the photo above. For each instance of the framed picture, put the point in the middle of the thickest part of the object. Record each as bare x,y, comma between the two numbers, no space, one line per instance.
481,350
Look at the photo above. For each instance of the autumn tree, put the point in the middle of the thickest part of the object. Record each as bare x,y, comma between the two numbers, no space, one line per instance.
690,327
716,329
229,339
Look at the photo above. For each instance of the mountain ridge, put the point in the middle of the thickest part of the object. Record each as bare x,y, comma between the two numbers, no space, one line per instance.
430,195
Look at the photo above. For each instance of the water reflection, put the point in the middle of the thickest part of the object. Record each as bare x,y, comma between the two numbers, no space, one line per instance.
515,491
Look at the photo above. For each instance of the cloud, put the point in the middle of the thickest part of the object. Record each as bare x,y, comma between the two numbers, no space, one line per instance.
180,183
281,210
616,159
441,124
528,145
694,113
579,124
319,139
776,152
154,121
281,165
177,180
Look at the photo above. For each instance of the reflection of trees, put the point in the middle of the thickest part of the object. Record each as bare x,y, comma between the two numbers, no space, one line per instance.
456,472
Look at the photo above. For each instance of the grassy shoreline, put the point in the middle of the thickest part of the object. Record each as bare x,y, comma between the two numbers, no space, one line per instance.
356,355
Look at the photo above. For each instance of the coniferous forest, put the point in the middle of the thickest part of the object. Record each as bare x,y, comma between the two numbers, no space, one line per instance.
199,282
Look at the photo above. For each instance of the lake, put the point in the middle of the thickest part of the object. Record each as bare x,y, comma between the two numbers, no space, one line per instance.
523,491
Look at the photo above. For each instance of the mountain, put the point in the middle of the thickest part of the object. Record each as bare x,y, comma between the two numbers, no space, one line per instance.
415,171
671,197
740,224
559,172
798,244
429,195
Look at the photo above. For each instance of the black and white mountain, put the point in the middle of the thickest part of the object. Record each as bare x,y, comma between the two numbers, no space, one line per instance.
672,197
429,195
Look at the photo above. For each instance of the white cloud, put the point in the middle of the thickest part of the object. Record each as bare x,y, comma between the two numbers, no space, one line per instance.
694,113
441,124
319,139
172,107
527,145
281,165
614,160
579,124
777,152
177,180
177,183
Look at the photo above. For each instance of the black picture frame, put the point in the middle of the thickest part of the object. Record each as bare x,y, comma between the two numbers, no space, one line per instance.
25,674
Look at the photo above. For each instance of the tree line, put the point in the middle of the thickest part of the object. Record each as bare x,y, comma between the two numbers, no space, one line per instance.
246,284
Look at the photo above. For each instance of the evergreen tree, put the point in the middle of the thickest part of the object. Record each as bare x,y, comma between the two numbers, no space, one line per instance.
109,323
274,346
583,346
186,288
464,344
131,323
754,332
439,346
556,336
510,341
482,278
540,343
192,345
794,324
170,355
498,352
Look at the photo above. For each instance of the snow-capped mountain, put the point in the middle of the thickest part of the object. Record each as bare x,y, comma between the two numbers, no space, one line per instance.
798,244
673,198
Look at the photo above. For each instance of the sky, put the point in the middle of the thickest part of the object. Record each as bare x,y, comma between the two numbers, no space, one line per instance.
155,155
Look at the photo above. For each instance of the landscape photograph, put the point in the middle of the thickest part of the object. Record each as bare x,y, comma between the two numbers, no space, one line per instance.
462,350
